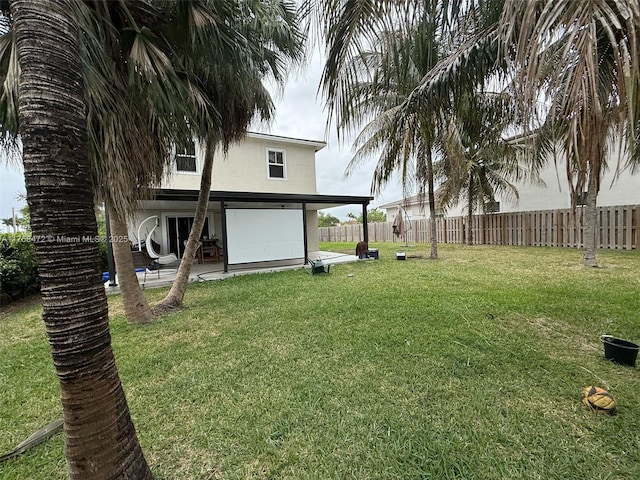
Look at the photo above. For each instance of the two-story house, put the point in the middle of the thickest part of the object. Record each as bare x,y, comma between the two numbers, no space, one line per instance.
263,202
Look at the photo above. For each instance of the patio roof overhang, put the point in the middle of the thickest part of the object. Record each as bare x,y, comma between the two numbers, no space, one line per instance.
264,199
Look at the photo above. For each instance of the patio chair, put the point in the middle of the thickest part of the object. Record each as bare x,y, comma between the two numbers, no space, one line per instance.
210,249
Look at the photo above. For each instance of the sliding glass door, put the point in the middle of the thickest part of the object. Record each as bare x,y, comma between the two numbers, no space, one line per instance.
178,229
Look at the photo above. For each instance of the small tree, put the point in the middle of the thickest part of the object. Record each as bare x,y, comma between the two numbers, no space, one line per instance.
586,62
262,43
476,161
22,217
327,220
374,215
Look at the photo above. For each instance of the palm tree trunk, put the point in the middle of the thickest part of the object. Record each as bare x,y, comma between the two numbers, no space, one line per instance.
136,307
432,206
175,296
470,213
101,442
590,221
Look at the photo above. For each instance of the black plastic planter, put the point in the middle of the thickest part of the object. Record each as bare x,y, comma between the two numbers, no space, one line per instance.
620,351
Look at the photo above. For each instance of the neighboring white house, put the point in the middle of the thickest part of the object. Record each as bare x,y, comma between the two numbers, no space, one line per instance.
412,208
616,188
263,202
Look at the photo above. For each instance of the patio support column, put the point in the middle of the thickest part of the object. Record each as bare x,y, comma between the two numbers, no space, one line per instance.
304,232
365,223
225,245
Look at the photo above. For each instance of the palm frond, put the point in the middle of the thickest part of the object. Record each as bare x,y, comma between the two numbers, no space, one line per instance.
583,57
8,89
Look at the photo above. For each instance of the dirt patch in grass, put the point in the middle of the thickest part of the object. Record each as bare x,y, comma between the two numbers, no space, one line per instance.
14,308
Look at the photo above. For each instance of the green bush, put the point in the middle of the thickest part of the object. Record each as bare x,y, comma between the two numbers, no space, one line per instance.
18,267
102,251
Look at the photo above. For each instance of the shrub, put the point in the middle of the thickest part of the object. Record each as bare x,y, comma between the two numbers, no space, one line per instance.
102,251
18,267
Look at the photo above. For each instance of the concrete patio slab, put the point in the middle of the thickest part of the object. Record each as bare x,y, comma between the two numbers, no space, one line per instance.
203,272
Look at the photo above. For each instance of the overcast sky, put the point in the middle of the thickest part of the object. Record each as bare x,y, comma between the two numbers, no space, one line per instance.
299,114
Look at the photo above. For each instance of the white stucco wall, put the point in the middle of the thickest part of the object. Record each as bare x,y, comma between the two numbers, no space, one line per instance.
313,233
555,194
413,211
244,168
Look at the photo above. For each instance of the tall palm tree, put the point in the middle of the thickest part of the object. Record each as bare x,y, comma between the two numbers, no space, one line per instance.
268,41
148,66
433,31
580,57
377,52
476,162
584,57
403,141
133,96
192,54
102,23
100,438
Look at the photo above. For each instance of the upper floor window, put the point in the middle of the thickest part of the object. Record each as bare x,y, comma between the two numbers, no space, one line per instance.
492,207
186,157
276,163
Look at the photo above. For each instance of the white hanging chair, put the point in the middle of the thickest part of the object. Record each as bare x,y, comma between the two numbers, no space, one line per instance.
158,261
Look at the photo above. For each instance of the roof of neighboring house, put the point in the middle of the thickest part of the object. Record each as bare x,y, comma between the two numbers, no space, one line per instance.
420,200
317,144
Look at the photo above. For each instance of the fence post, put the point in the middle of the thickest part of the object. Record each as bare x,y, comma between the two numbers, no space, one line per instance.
504,219
559,227
628,221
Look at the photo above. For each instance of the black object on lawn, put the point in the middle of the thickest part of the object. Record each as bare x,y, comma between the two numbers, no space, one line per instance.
620,351
318,267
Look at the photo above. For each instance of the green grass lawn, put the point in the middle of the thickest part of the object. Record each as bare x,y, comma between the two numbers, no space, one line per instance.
467,367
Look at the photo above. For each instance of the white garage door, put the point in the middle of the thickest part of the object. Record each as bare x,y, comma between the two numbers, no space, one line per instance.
264,235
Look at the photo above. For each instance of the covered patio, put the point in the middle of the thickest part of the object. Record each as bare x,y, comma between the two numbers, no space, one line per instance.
251,231
254,227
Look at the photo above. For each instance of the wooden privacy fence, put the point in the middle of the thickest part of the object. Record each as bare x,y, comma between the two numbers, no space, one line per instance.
618,228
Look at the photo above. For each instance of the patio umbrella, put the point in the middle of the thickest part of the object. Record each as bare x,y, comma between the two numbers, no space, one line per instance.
398,224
